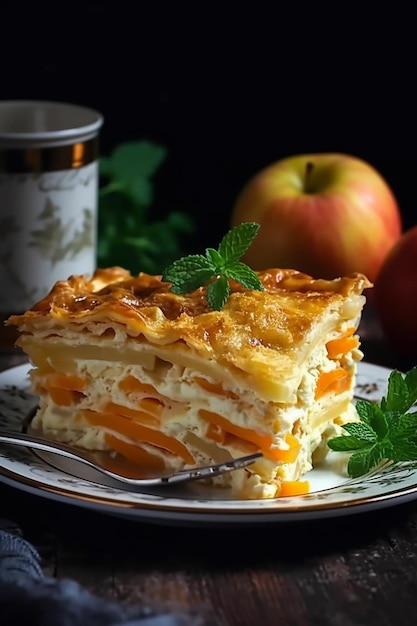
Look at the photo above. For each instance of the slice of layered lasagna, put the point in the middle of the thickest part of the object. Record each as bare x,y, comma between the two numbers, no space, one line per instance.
123,364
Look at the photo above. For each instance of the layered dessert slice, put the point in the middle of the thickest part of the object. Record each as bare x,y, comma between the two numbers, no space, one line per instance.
122,364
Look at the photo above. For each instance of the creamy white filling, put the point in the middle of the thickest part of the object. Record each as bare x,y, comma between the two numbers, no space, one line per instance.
183,400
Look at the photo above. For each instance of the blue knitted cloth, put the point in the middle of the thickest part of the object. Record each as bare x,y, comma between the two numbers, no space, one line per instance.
29,598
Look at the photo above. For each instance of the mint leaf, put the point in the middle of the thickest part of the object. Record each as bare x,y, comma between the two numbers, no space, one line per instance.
402,391
411,378
363,461
397,395
242,274
404,427
235,243
411,382
217,267
217,293
215,258
361,431
372,415
404,450
385,431
365,410
188,273
346,443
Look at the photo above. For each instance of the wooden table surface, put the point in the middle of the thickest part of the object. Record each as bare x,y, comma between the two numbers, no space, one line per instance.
347,571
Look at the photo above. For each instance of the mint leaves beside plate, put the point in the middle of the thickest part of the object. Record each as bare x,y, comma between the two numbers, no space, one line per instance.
386,431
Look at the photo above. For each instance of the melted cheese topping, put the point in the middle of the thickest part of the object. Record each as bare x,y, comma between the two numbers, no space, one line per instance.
266,337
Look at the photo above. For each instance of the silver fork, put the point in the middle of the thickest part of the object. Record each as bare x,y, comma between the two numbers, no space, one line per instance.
62,449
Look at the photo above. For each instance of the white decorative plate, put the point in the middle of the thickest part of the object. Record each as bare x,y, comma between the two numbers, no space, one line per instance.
332,493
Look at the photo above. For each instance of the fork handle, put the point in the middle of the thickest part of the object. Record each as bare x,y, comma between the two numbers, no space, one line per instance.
38,443
195,473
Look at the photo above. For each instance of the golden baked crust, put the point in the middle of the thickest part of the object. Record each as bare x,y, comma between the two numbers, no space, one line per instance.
253,329
114,291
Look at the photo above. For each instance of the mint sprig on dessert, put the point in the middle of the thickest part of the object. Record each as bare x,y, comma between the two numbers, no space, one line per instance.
217,267
386,431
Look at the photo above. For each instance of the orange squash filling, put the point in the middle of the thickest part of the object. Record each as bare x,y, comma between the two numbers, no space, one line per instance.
66,381
134,453
151,405
294,488
141,417
290,455
63,397
132,430
342,345
337,380
217,423
216,388
64,389
130,384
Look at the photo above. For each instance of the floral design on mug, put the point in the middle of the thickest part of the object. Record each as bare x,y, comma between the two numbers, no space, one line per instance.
8,227
51,239
65,181
48,226
16,284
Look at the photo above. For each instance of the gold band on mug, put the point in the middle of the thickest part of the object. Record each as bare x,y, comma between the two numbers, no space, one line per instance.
41,160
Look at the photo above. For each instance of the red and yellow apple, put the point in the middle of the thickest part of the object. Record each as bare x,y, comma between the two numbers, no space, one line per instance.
327,215
395,294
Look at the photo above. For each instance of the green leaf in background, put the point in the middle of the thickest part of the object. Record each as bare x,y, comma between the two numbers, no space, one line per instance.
127,235
132,160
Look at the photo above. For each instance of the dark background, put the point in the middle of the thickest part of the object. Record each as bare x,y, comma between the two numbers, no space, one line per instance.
226,88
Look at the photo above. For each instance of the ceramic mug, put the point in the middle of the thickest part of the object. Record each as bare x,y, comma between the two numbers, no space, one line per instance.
48,197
